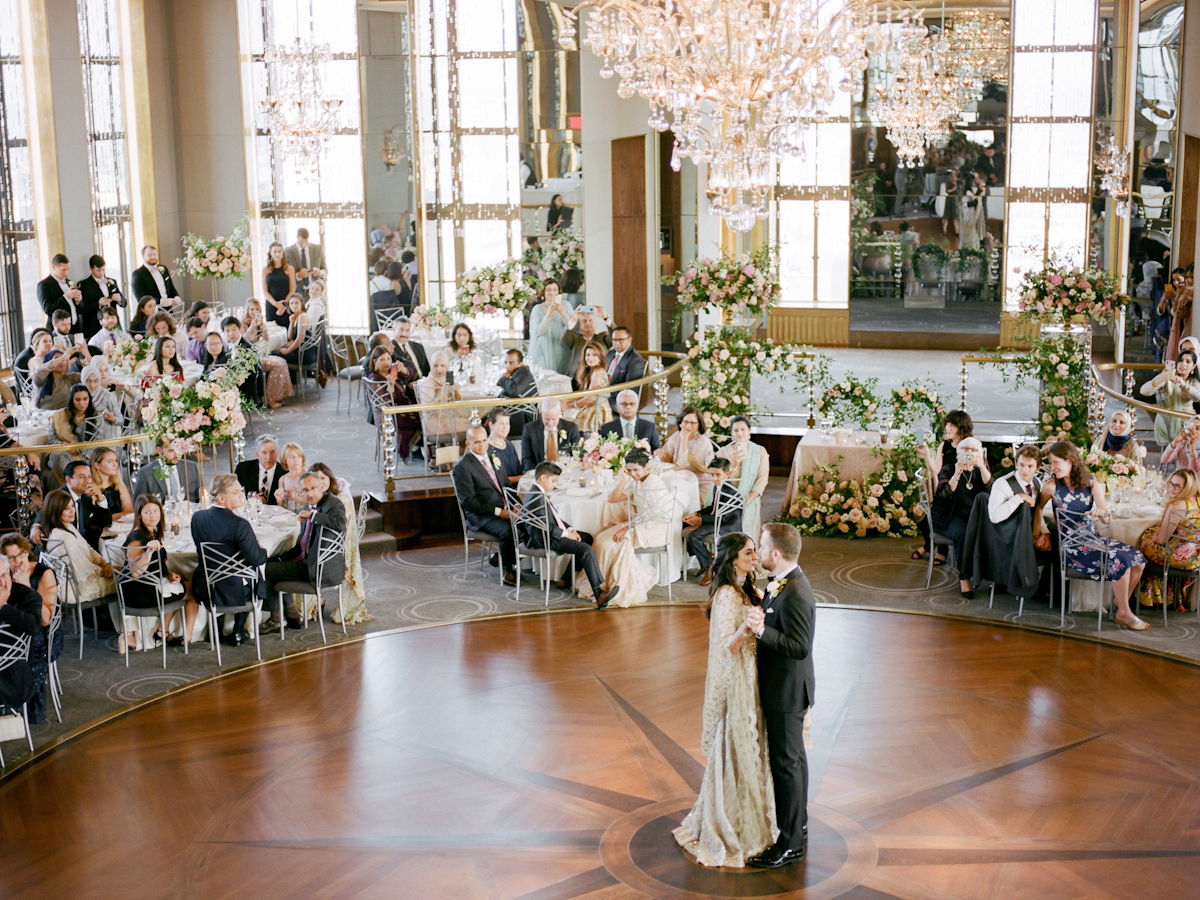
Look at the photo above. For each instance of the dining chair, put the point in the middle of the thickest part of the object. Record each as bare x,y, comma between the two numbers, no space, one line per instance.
935,540
524,523
1076,534
658,509
468,535
331,545
54,557
151,577
14,649
219,566
727,503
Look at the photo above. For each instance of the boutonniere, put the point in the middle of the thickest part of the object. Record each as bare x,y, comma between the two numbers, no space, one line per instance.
774,586
562,434
163,470
162,269
496,463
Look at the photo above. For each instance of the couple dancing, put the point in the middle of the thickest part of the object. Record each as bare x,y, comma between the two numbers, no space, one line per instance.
752,807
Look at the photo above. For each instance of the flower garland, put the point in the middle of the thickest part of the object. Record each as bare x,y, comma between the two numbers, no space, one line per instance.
723,362
219,257
886,501
850,401
1057,366
208,412
915,402
130,353
746,285
493,289
431,316
597,453
1056,293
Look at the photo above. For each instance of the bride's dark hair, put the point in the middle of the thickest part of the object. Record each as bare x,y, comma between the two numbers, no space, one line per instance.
723,572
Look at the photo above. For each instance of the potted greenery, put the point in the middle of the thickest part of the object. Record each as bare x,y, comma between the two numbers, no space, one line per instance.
969,264
928,262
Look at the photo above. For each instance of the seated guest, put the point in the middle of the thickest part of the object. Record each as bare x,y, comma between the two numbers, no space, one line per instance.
322,511
106,478
215,359
316,306
628,425
261,475
299,324
273,380
40,343
563,538
1118,440
147,308
440,426
408,351
162,325
378,339
391,297
54,380
1181,520
220,524
477,483
465,360
72,424
145,554
1176,387
105,402
213,354
585,317
27,571
517,381
593,411
110,329
291,493
499,444
1073,489
957,491
640,489
92,573
390,384
197,331
167,476
750,467
202,311
704,523
1183,450
624,363
1010,546
354,598
1020,486
547,438
955,427
89,510
689,449
20,612
165,361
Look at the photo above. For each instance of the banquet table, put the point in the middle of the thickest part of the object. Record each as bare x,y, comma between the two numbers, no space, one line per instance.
854,449
34,430
192,371
276,336
586,509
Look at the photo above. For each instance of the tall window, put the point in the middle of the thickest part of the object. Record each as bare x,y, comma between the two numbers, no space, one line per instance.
285,193
18,243
104,118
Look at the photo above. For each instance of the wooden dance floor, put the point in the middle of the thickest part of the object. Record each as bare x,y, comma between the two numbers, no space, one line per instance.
548,757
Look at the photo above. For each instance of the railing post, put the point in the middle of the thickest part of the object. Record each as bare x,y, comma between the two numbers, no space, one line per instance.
661,390
24,509
962,397
1130,381
389,454
812,402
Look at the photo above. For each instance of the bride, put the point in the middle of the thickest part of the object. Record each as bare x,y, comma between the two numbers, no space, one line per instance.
734,816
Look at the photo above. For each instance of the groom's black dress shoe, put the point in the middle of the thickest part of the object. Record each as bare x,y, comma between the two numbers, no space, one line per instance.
776,858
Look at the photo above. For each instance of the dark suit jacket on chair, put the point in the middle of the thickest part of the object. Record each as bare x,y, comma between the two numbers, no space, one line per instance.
144,286
148,481
1003,552
93,299
631,367
731,522
234,537
643,429
476,493
533,441
247,476
785,668
50,296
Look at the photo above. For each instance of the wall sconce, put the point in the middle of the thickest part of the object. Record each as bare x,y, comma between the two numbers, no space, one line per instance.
391,148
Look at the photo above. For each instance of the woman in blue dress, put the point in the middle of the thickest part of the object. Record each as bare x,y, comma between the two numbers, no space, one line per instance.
1075,490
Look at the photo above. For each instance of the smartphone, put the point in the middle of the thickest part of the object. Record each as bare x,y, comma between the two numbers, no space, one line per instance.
79,340
920,437
450,376
1170,365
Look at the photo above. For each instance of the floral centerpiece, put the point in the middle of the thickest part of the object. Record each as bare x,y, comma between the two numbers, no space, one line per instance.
493,289
431,316
1114,471
1058,293
130,353
723,361
208,412
1059,367
745,286
218,257
915,402
886,501
850,401
559,254
597,453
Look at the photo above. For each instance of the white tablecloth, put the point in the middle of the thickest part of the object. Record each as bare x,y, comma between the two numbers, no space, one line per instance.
276,336
191,374
34,430
855,449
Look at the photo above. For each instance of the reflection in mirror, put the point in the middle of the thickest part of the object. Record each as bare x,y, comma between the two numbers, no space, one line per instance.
926,236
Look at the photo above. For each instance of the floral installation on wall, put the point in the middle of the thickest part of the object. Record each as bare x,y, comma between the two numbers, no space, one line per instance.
1058,367
916,402
745,286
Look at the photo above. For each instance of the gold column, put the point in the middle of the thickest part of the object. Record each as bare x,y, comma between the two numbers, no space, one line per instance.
139,138
418,135
43,146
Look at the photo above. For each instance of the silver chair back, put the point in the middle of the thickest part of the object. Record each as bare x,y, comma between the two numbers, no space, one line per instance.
221,566
14,649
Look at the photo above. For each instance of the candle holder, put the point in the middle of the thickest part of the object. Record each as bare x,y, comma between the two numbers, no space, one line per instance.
239,446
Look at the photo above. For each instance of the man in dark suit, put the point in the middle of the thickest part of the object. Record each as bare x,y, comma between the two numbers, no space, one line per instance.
92,514
624,363
324,511
235,538
518,381
254,388
96,290
261,475
786,686
153,280
307,259
547,438
166,475
704,523
629,425
411,354
585,317
485,508
55,291
20,614
563,538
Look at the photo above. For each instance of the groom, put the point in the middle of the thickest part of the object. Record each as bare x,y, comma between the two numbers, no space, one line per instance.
784,625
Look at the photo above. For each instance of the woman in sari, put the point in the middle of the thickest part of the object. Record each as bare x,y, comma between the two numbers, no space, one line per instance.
749,469
639,490
354,599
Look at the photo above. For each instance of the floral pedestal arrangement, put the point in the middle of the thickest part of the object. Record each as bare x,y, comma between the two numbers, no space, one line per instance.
217,258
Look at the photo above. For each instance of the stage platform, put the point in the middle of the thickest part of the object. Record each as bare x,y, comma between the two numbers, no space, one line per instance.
549,756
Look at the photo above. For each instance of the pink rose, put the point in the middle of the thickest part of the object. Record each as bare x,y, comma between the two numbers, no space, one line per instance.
1056,280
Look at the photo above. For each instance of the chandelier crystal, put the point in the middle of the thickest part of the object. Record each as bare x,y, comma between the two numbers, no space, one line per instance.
739,81
919,99
299,117
977,45
1113,162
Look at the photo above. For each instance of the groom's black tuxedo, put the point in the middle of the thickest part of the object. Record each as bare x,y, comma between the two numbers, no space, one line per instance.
786,687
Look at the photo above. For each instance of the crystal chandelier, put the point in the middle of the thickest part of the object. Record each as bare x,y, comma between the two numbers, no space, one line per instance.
977,44
1113,162
918,98
300,118
738,81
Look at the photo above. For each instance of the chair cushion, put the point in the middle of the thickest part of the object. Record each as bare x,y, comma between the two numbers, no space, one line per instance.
350,373
481,536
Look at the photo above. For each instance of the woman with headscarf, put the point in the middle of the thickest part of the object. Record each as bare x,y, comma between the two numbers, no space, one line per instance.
107,404
1118,440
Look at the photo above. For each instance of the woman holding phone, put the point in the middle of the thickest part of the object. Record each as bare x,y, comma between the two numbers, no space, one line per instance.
957,490
1176,387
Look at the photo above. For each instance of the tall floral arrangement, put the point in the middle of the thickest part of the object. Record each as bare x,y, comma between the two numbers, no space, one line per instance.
131,352
850,401
493,289
434,315
1057,293
208,412
218,257
560,253
745,285
723,362
1058,367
